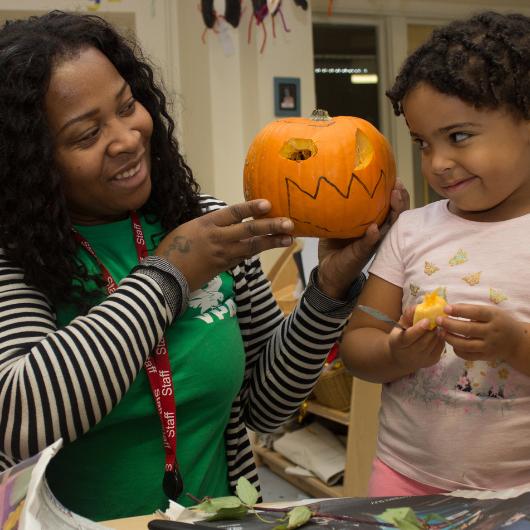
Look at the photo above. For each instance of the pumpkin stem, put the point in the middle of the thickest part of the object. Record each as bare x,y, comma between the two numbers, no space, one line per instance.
320,115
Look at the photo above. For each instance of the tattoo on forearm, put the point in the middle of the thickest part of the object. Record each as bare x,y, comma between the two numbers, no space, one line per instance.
180,244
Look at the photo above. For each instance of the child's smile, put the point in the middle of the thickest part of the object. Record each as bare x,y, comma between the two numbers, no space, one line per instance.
457,186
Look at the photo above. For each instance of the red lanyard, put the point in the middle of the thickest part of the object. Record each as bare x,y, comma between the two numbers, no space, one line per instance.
158,371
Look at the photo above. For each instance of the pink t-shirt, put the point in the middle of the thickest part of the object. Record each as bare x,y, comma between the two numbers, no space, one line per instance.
458,423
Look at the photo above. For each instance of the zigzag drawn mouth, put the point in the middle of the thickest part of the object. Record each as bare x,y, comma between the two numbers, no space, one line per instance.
289,183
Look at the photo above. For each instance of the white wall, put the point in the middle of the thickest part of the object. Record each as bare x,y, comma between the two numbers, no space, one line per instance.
151,20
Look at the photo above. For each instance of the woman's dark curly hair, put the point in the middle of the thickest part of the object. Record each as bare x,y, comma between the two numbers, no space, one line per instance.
35,227
484,61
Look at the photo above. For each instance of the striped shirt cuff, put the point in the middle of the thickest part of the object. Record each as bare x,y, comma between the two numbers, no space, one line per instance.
330,306
172,282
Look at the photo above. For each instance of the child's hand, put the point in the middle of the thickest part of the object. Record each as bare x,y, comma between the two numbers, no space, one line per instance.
487,333
416,347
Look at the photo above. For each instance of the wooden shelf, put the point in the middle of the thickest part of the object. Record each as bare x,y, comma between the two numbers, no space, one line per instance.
361,421
339,416
311,485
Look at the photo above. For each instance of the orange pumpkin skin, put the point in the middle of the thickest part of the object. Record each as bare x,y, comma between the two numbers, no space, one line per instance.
342,186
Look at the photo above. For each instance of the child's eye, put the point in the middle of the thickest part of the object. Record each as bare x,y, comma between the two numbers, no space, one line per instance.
420,143
458,137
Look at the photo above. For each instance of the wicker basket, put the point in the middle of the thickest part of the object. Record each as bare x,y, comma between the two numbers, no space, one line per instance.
333,388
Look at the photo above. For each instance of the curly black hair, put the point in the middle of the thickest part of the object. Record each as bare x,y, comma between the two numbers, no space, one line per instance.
484,61
35,227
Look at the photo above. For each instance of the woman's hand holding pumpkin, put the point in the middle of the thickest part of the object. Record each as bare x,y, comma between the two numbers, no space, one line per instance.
219,240
341,261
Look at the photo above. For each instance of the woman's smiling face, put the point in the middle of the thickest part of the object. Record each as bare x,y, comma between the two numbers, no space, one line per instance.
101,138
477,158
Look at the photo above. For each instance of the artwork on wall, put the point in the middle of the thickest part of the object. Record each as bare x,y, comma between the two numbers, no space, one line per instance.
287,96
94,5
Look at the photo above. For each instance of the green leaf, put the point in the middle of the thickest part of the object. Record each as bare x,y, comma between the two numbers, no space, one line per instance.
227,514
246,492
218,503
280,527
299,516
403,518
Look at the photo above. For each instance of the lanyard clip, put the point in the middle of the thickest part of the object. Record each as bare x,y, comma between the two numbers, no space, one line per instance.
173,485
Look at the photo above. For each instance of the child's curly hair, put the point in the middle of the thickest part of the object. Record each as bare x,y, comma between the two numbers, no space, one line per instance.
35,228
484,61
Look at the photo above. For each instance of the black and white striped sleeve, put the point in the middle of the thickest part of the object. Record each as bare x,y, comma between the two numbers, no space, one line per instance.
60,382
284,355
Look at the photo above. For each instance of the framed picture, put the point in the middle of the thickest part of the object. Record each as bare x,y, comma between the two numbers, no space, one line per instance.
287,96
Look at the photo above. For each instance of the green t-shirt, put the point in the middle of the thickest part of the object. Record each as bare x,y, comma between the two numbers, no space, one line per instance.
116,468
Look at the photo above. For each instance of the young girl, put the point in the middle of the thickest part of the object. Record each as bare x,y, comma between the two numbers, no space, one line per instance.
455,409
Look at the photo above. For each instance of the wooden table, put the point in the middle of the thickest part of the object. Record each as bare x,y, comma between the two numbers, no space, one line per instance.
130,523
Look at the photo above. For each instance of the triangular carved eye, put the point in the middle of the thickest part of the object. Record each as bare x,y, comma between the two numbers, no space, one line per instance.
298,149
364,150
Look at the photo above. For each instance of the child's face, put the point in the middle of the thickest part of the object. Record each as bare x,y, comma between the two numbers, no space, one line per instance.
102,139
478,159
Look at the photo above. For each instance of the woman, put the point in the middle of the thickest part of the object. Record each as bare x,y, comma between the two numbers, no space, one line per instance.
104,237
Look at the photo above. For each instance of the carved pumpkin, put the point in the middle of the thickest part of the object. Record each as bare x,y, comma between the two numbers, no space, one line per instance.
331,176
431,307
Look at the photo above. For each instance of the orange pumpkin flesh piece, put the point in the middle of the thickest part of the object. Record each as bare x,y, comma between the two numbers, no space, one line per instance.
431,307
331,176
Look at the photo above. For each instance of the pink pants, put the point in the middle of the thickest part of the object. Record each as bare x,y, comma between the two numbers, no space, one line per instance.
385,482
